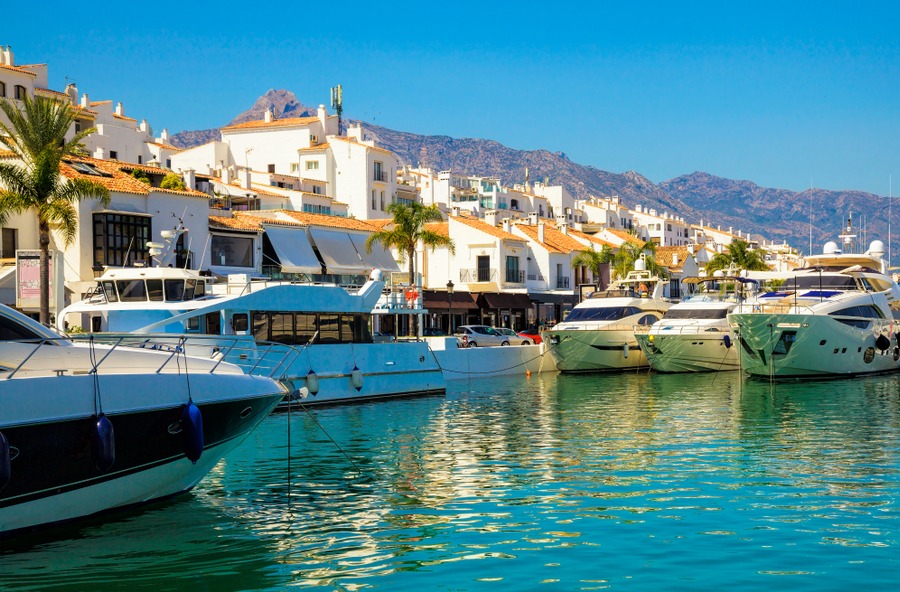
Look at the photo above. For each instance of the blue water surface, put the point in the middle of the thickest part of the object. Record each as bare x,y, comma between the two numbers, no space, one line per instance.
628,481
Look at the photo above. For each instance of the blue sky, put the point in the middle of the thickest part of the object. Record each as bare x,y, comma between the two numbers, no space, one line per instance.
785,94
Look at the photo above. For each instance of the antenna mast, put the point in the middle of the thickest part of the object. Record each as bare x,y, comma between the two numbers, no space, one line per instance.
337,103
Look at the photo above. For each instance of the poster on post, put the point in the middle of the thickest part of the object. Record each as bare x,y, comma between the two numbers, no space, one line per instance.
28,280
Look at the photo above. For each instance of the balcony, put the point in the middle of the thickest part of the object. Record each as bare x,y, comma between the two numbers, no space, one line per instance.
379,176
515,276
562,283
471,276
535,277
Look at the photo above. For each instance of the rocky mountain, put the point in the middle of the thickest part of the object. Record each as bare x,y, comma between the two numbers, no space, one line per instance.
283,103
774,214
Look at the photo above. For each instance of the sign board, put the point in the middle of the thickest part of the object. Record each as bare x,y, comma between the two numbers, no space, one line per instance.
28,280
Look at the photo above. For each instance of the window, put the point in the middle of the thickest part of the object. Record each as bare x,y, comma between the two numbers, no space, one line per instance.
20,92
140,159
168,163
312,165
313,139
2,89
113,155
9,244
232,251
378,170
272,168
132,290
120,239
382,201
318,190
295,167
512,269
373,199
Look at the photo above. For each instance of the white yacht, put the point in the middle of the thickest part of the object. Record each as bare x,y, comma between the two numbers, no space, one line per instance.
694,335
328,324
835,317
87,428
598,335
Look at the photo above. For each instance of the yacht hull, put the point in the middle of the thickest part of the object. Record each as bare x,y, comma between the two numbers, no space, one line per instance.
814,346
690,352
595,350
54,475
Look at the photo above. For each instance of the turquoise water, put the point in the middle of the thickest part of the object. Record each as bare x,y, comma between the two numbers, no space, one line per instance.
634,481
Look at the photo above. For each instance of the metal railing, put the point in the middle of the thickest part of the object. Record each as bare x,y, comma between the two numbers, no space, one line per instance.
477,275
515,277
562,282
93,353
379,176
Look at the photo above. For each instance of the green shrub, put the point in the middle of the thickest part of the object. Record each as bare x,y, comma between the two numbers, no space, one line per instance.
172,181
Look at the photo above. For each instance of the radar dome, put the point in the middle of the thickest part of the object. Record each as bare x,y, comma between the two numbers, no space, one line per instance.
830,248
876,248
376,275
640,265
718,273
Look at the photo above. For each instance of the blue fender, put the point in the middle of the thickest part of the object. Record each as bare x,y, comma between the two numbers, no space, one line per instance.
192,431
103,443
727,341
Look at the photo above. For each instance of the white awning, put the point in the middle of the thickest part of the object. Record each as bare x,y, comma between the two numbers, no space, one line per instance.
293,249
338,252
379,258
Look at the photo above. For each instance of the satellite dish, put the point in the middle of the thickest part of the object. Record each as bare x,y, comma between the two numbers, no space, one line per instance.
167,234
155,245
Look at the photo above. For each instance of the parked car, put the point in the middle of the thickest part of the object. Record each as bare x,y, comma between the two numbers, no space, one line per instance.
514,337
531,333
479,336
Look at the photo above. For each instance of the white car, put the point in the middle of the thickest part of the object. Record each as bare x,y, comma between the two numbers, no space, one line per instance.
514,338
479,336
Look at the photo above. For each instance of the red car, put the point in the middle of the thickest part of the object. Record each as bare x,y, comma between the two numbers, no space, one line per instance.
531,333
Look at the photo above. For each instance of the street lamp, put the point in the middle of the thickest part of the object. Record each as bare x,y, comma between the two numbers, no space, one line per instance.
450,306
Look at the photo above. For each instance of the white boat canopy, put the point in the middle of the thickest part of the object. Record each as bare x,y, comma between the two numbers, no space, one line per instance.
338,252
293,249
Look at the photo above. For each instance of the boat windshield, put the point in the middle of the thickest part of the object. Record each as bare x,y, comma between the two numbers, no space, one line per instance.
823,281
607,313
695,313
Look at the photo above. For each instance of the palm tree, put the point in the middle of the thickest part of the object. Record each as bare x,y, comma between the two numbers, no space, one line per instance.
37,137
407,230
740,256
629,252
593,259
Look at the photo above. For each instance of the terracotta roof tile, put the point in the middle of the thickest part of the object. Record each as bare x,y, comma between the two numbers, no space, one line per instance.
224,222
166,146
331,221
116,179
50,92
442,228
98,103
487,228
123,118
625,236
322,146
18,69
554,240
591,238
262,123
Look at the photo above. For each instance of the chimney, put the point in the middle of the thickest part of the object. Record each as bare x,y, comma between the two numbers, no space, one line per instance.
323,117
532,218
563,227
85,101
637,208
7,56
72,93
247,179
189,178
490,216
674,260
506,225
455,211
226,175
268,116
145,128
164,136
541,232
119,110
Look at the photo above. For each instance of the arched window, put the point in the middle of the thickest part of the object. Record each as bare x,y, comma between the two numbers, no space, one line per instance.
20,92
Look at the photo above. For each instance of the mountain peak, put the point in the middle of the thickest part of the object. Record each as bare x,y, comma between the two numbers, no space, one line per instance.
283,103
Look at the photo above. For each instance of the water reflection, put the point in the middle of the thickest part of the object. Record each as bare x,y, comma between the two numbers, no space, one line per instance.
581,482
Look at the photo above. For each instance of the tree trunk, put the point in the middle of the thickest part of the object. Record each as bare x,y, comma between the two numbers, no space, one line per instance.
45,273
